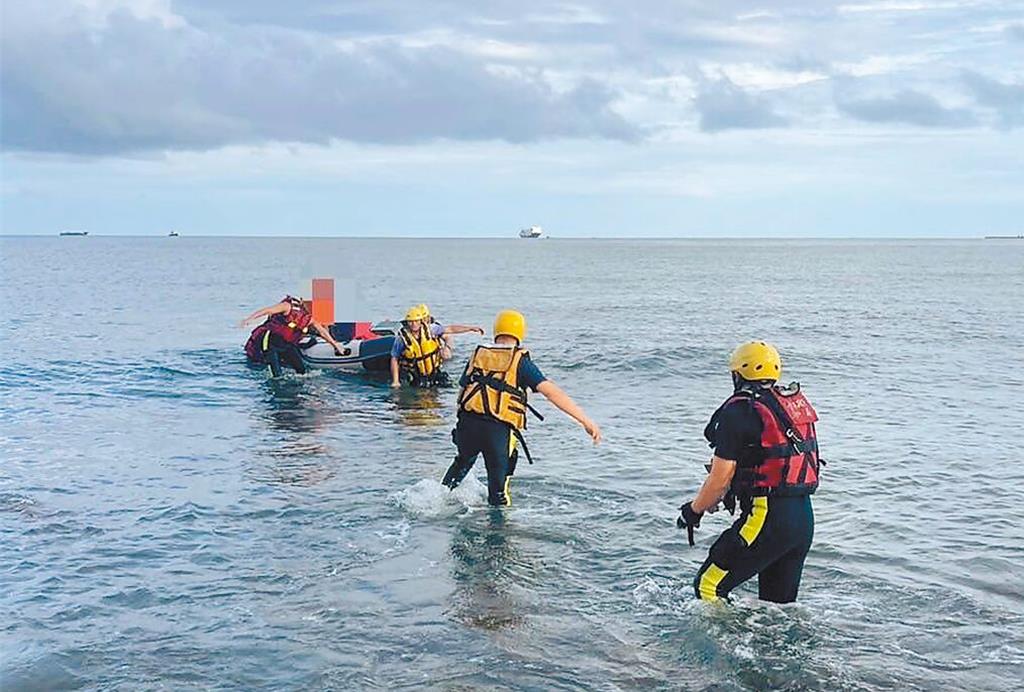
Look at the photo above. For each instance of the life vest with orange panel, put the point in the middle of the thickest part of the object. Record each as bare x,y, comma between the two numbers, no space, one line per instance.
292,325
785,460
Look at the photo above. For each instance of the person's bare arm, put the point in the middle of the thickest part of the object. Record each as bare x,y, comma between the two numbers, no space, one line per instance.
462,329
715,485
553,393
326,334
278,309
395,382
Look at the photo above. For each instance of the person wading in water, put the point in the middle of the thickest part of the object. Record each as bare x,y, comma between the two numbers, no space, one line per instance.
766,459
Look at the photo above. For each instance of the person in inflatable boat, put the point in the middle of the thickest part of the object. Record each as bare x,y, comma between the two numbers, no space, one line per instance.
275,341
766,460
492,408
420,346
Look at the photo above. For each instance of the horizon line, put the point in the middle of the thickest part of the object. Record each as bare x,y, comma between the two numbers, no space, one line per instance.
1007,236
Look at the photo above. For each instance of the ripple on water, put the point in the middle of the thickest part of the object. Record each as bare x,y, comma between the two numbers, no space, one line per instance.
170,518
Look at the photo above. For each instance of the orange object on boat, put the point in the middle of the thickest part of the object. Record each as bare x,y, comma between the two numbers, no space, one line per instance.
323,301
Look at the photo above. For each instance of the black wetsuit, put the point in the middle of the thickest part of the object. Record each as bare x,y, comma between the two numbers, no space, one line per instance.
475,434
280,351
772,535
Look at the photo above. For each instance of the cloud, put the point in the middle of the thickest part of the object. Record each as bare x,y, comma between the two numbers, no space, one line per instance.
1015,32
721,105
120,76
908,107
1007,100
142,83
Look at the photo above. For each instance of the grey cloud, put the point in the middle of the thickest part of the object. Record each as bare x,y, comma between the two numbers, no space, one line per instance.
1007,100
137,85
908,107
1015,32
722,105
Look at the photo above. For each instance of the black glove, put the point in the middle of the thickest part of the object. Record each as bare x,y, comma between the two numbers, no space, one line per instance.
689,519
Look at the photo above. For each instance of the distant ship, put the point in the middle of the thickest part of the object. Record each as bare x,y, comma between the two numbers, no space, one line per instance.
173,234
531,232
74,232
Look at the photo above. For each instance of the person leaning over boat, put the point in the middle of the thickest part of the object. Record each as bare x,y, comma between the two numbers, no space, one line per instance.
419,348
766,458
493,404
277,338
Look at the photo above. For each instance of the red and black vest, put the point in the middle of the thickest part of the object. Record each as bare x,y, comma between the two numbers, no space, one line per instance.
785,462
292,325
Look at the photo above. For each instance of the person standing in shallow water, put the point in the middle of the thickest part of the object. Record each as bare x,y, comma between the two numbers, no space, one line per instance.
493,406
275,341
766,459
421,347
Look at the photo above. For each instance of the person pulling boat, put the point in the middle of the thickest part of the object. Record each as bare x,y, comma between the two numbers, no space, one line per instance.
418,353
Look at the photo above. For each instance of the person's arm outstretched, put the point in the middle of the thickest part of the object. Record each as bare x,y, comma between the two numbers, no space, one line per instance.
462,329
553,393
277,309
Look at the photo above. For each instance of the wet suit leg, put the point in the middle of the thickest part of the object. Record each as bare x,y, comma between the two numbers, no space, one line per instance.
771,539
475,435
500,458
276,350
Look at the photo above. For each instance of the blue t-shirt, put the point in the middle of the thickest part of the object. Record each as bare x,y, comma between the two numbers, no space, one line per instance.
436,330
529,375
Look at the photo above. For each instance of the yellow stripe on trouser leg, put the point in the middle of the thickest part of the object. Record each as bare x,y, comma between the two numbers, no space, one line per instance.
508,478
751,528
709,582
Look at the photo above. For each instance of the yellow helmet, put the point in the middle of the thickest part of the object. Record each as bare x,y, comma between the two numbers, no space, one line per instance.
756,360
510,323
426,310
416,313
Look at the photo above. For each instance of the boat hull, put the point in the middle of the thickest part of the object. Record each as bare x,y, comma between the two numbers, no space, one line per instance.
365,348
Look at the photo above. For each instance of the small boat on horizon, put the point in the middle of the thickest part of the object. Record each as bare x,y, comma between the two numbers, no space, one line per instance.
74,233
531,232
173,234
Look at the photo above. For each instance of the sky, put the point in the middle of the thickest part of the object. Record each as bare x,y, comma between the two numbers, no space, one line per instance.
627,118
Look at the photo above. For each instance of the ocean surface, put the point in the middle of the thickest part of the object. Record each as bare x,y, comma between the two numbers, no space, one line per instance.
172,519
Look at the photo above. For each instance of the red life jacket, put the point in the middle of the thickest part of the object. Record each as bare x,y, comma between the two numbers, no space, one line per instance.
292,325
786,461
254,345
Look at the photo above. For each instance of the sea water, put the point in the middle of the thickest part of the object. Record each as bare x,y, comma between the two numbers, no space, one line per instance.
172,519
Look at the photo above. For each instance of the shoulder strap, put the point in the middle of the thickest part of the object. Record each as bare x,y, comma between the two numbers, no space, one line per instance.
785,422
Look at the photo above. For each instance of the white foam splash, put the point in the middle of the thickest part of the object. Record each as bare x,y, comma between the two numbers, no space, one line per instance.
648,594
428,498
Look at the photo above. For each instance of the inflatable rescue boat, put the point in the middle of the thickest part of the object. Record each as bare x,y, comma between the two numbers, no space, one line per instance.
365,346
